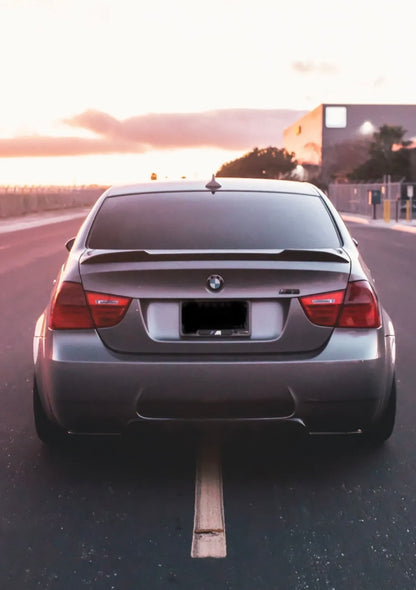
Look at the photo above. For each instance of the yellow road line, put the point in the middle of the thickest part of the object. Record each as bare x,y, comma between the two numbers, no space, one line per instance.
208,538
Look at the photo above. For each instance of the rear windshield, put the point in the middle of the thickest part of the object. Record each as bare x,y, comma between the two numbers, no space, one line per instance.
202,221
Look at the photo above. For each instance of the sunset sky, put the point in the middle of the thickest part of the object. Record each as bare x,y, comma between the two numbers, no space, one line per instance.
109,91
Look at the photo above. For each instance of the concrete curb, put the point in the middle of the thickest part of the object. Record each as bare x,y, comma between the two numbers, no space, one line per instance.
406,226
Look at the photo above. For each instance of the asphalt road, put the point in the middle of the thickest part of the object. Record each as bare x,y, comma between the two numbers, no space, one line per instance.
300,514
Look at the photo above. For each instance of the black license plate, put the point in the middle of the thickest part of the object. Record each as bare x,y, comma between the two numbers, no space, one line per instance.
215,318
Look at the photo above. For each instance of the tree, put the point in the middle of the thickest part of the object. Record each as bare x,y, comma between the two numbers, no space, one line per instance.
270,162
388,155
345,156
386,137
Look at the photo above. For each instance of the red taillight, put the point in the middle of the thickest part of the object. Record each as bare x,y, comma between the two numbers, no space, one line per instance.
107,310
360,309
323,309
69,310
74,309
356,307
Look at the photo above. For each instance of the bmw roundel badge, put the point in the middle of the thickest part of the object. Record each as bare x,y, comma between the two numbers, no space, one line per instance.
215,283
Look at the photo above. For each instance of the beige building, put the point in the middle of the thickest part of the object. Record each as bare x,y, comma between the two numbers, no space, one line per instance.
333,134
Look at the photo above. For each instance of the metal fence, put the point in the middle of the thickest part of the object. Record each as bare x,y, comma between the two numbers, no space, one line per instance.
354,198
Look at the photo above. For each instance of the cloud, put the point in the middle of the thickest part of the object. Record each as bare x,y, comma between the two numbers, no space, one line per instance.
231,129
40,146
311,67
228,128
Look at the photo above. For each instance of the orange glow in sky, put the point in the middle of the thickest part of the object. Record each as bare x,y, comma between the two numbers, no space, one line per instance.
97,91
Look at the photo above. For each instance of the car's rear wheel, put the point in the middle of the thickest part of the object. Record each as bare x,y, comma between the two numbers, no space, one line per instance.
382,429
48,431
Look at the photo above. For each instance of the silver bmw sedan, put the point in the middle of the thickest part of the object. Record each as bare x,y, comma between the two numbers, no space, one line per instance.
228,301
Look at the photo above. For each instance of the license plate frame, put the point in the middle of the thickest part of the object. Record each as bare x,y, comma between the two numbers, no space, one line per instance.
215,319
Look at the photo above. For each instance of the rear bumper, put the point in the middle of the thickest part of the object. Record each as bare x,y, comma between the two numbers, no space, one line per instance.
342,388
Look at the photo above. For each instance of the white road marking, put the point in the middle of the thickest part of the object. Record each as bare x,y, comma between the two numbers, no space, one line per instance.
37,220
208,538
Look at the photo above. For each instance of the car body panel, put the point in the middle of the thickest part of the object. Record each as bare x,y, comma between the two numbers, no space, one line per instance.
176,282
106,390
149,368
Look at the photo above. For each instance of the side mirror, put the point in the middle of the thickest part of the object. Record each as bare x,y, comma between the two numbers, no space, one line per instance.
69,244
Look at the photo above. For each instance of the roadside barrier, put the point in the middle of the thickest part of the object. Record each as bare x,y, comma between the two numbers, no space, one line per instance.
16,201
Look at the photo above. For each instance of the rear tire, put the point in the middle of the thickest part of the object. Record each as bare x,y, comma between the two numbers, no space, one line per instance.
47,430
382,429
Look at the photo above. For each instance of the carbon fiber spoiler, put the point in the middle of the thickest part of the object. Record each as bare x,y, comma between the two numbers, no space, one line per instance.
321,255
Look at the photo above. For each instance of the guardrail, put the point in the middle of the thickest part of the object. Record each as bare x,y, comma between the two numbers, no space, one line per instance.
21,200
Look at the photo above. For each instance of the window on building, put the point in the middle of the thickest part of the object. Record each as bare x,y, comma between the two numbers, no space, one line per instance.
336,117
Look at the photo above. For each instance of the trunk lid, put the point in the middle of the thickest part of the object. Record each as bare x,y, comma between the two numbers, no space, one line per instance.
251,307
